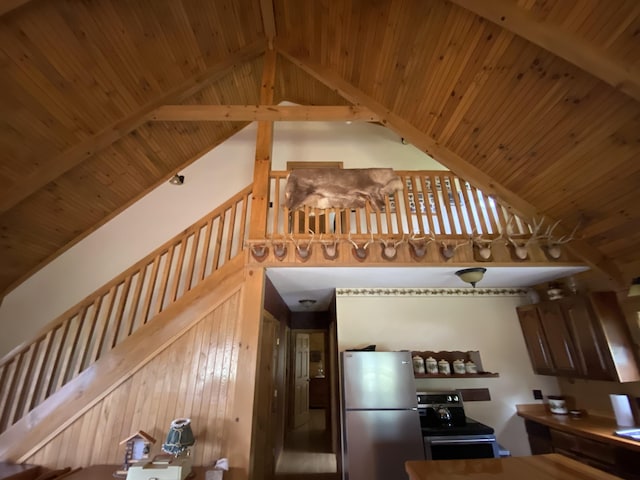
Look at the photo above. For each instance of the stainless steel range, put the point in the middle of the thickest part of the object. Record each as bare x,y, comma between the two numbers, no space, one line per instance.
448,433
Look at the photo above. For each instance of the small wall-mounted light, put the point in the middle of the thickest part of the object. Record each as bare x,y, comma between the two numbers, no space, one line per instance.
177,179
634,291
471,275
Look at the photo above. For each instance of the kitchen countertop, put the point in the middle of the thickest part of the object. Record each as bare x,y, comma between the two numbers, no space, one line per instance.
537,467
590,426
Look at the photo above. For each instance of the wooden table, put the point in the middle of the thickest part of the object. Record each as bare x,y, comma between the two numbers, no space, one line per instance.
105,472
536,467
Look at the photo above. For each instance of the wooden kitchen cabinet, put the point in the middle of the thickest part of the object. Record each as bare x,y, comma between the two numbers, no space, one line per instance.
535,339
582,336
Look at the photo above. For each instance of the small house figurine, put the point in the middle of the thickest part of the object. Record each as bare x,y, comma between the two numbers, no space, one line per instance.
138,448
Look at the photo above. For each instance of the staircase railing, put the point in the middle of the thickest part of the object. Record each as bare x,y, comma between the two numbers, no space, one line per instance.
431,203
34,371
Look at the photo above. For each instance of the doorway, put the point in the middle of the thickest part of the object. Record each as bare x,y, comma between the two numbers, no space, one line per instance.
309,450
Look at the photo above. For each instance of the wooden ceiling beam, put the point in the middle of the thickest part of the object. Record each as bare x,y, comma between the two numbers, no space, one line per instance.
7,6
251,113
268,21
454,162
73,157
563,44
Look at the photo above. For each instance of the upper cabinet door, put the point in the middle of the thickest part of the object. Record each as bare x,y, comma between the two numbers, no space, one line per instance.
535,340
591,343
561,345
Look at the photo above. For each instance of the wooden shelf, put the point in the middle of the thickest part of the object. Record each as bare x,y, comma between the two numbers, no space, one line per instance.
457,375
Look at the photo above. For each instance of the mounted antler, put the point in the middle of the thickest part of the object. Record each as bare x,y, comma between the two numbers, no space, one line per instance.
418,245
553,244
329,248
360,252
259,251
448,250
483,245
279,249
520,247
303,251
390,248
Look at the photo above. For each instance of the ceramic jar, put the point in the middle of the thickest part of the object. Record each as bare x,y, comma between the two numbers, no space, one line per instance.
431,364
458,367
471,367
418,365
444,367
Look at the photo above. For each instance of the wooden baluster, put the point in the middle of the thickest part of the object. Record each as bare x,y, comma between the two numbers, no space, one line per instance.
84,341
192,259
8,387
462,213
70,346
205,249
162,287
19,385
491,213
275,206
102,325
358,220
218,244
243,225
177,271
53,362
59,356
415,183
367,217
118,320
483,221
447,205
151,285
38,379
231,224
133,308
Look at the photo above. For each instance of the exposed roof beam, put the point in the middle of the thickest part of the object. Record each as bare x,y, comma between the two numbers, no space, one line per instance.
64,162
236,113
453,161
7,6
268,21
570,47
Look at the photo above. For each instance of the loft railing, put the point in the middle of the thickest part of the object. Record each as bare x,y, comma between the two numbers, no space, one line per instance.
432,203
69,344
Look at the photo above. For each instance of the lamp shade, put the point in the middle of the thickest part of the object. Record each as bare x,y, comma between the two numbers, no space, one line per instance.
634,291
180,437
471,275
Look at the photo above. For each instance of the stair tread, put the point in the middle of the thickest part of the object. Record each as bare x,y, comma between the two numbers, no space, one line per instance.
18,471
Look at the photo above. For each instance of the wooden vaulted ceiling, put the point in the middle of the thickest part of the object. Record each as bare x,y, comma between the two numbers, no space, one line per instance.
536,101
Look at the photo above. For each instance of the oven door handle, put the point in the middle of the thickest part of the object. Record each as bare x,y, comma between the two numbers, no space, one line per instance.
460,441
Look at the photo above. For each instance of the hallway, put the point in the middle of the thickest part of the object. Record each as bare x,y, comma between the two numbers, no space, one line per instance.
307,452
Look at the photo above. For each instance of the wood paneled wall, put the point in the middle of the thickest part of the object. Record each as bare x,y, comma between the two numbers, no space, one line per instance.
194,377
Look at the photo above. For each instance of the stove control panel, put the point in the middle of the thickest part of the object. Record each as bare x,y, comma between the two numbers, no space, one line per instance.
449,399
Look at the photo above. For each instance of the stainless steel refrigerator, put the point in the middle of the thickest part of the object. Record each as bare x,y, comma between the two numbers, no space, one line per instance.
380,421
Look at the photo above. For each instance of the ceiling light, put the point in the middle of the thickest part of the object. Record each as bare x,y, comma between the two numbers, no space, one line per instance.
634,291
471,275
177,179
307,302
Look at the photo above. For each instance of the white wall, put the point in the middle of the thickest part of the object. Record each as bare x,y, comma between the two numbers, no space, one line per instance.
168,209
488,324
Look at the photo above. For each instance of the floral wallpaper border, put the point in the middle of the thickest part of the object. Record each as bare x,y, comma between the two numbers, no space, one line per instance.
431,292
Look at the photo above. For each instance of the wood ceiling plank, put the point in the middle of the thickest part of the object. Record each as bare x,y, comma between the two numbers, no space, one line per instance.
79,152
455,163
571,47
272,113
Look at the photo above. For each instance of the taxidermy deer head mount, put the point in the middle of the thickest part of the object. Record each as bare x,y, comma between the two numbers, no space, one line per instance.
418,246
390,248
554,245
483,245
303,250
360,252
329,248
520,246
279,249
259,251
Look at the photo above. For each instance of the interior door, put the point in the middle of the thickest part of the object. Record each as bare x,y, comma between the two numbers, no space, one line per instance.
301,380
